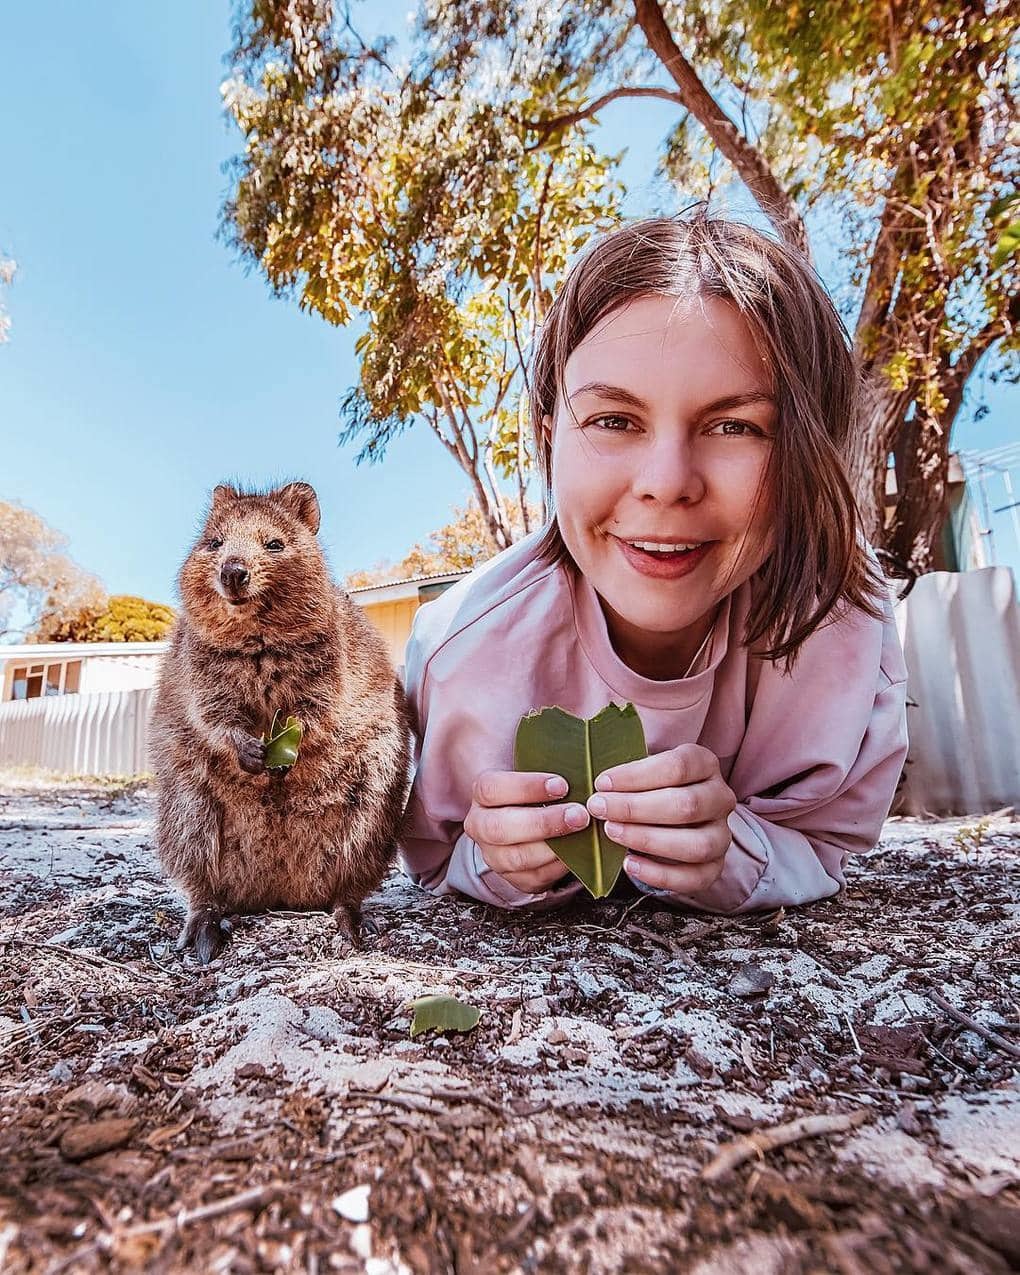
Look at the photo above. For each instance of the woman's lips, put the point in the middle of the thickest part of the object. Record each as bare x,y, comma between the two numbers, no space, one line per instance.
664,566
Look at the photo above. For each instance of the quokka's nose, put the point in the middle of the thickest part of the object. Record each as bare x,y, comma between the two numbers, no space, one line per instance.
234,575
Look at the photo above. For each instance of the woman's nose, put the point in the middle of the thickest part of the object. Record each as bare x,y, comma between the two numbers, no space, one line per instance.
669,473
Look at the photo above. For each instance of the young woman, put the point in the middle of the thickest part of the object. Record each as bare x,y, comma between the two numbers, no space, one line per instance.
692,397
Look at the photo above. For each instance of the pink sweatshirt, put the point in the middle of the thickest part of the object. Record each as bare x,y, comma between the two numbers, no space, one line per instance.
813,758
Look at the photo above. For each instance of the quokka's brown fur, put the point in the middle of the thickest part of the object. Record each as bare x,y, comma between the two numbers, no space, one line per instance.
264,629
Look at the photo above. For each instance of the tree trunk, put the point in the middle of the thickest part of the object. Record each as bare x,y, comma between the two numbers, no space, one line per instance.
882,410
922,470
920,448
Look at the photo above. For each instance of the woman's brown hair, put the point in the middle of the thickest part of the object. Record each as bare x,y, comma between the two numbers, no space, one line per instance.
819,560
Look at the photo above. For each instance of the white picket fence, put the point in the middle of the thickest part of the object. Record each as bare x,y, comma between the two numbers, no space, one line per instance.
961,638
102,733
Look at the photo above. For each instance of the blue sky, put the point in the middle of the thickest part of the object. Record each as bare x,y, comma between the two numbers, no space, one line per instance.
144,364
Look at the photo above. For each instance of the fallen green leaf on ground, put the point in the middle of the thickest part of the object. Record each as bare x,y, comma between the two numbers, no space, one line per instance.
443,1014
580,750
282,743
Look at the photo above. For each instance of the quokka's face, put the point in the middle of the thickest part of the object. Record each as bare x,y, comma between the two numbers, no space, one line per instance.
256,554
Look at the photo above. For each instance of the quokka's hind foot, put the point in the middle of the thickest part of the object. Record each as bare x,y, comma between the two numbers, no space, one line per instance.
347,917
206,931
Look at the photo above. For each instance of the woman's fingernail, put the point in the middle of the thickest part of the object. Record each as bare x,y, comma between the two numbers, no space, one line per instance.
575,816
630,866
604,783
557,787
615,830
598,807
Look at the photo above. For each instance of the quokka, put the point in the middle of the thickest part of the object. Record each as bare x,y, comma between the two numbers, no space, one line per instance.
263,629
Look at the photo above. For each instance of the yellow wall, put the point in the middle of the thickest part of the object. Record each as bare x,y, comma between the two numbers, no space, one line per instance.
393,620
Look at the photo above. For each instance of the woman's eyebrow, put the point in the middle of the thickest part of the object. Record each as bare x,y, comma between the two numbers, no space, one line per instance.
615,392
739,400
619,395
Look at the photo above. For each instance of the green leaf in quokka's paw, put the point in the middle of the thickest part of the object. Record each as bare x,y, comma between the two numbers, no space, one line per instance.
282,741
579,750
443,1014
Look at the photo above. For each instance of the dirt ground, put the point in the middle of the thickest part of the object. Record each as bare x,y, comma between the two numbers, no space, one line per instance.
271,1113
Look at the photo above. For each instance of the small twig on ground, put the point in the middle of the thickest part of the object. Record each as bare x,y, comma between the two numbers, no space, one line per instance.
256,1197
735,1153
973,1025
88,957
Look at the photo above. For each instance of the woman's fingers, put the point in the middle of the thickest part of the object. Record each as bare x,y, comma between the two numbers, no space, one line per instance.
694,804
703,844
538,879
675,768
686,878
518,825
496,788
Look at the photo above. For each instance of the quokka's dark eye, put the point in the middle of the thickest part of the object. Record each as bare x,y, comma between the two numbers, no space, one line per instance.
214,543
274,546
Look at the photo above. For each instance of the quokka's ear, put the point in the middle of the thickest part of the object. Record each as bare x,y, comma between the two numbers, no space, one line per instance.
300,500
223,497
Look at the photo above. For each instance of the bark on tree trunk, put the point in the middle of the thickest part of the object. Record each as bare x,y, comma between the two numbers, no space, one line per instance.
920,447
882,410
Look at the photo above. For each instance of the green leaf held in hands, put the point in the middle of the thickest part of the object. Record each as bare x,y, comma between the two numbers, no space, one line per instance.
282,742
443,1014
579,750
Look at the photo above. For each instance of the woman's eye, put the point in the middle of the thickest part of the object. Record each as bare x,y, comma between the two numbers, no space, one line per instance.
615,424
739,429
214,543
274,545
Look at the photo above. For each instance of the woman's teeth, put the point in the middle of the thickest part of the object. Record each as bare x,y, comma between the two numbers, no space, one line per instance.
649,547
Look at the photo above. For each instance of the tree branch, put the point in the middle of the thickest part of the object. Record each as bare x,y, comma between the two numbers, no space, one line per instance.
1002,325
544,127
748,161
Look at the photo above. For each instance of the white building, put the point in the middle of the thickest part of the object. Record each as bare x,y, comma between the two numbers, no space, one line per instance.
38,670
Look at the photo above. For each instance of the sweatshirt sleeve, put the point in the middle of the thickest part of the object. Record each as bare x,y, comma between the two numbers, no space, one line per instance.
454,742
818,768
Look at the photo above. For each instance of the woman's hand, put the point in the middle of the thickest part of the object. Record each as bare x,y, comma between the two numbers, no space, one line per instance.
671,811
511,827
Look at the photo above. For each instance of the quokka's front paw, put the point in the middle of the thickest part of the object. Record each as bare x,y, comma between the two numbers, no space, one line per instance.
251,754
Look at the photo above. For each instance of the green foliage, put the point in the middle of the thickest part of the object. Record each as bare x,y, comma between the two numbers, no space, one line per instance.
368,191
580,750
443,1014
282,741
443,200
123,619
970,838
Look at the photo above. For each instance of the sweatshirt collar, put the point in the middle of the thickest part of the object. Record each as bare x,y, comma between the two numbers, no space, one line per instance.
593,634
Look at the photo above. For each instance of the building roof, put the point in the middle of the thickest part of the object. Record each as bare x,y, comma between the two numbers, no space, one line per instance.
36,652
394,590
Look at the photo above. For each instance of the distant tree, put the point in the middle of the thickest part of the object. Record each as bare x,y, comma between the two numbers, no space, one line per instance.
412,194
37,578
123,619
457,546
365,191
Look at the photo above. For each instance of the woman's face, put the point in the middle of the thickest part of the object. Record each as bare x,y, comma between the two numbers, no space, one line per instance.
658,464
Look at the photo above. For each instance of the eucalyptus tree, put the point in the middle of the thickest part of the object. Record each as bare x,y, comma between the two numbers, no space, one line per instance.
365,190
440,197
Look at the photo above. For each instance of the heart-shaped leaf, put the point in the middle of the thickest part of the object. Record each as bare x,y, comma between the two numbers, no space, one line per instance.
282,742
579,750
443,1014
